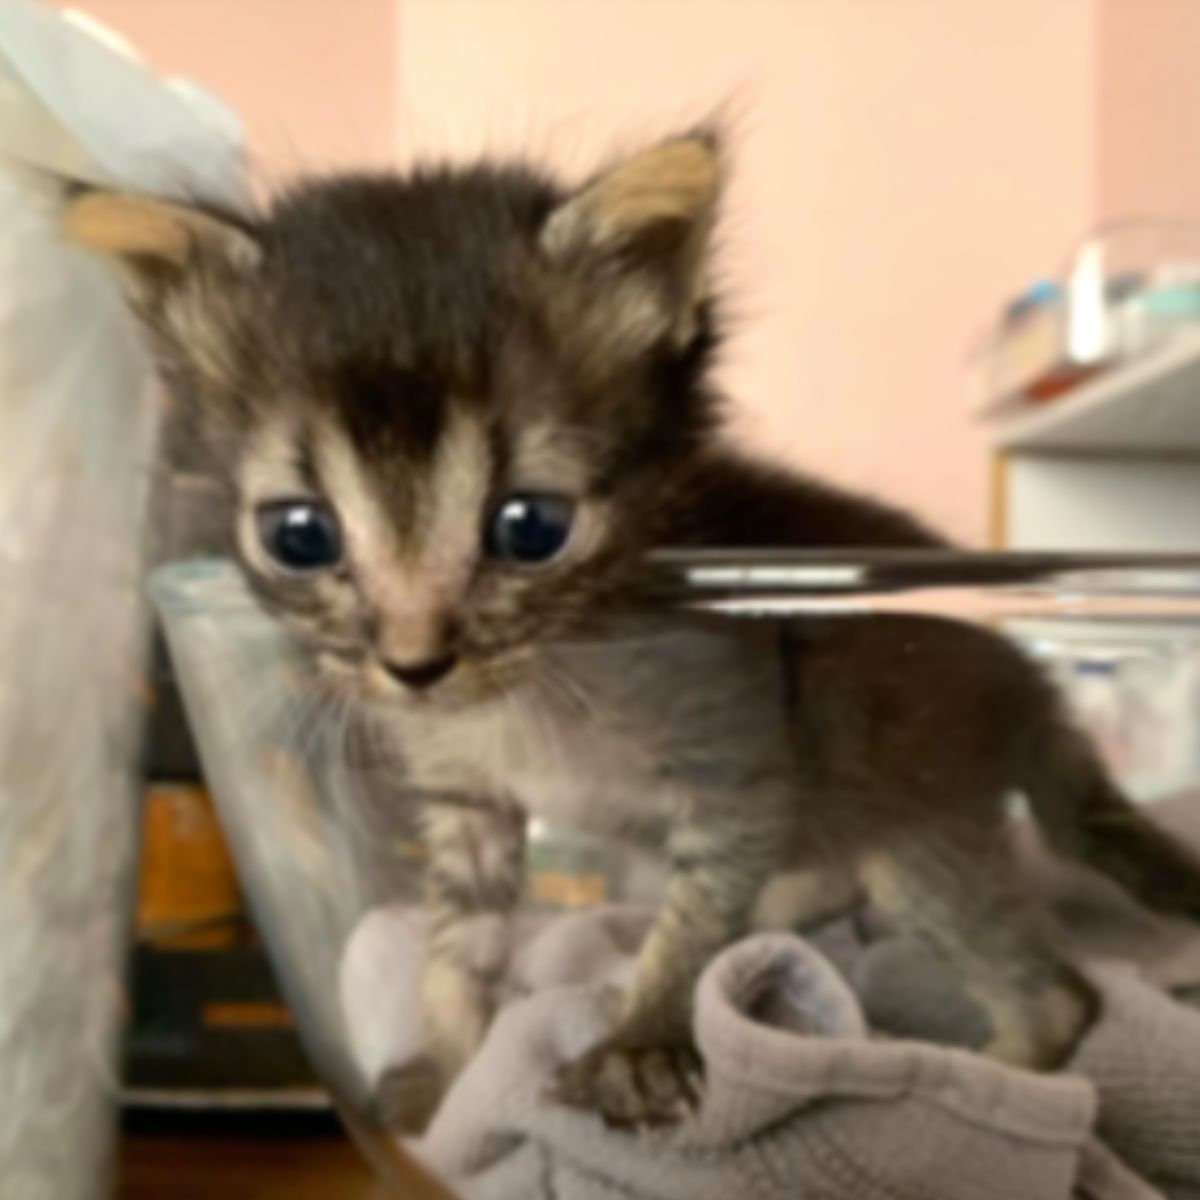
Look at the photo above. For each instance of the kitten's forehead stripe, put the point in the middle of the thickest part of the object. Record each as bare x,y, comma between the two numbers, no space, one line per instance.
374,530
393,414
453,502
414,561
306,466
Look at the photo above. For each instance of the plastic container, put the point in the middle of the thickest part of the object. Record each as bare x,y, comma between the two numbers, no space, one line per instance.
1135,688
324,834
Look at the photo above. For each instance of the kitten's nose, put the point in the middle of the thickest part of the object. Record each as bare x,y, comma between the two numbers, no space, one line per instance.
422,675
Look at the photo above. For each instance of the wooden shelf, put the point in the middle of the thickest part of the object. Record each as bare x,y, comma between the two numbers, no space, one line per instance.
1148,406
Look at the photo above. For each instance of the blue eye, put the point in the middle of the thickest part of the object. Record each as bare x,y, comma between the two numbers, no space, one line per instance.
300,535
529,527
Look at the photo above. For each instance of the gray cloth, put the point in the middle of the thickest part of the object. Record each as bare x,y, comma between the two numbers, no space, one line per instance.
800,1100
815,1090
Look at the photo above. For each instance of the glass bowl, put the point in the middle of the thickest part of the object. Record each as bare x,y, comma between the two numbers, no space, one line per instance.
326,837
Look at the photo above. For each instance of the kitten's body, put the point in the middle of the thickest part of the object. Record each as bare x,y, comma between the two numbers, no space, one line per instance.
457,409
797,766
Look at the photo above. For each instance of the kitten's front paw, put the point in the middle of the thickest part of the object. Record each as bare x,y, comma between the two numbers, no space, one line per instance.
406,1097
632,1085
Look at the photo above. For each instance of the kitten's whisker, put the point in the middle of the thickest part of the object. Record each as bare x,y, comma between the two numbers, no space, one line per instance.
571,687
345,781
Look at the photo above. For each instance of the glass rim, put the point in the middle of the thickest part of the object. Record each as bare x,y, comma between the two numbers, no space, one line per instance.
765,582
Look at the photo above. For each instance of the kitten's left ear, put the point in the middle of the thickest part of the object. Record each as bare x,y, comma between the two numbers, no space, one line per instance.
649,220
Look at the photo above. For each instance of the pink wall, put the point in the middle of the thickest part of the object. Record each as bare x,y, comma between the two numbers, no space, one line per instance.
1148,108
311,78
902,167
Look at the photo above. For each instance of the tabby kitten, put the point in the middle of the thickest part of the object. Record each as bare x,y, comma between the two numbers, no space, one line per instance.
457,407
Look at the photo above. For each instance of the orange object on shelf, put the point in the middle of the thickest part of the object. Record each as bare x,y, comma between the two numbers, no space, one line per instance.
246,1015
189,896
1060,380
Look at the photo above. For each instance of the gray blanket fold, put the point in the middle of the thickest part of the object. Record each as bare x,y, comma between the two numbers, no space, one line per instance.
801,1100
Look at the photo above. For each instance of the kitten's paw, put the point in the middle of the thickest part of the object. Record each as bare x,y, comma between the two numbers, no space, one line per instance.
631,1086
406,1097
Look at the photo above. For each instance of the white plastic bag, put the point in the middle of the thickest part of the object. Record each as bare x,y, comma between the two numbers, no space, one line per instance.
76,100
78,411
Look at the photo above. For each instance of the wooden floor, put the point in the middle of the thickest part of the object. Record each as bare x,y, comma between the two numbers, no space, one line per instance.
232,1165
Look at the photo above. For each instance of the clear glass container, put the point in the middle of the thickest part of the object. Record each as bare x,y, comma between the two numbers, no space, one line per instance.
329,847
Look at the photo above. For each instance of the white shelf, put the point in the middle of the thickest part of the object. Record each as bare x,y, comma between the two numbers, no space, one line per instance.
1148,406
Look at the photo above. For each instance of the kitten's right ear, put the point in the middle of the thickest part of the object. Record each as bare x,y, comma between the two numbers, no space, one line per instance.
157,244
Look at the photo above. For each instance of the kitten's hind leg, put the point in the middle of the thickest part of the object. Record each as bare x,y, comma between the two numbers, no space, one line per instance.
963,896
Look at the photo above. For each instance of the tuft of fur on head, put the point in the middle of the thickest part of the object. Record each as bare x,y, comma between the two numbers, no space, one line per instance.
408,350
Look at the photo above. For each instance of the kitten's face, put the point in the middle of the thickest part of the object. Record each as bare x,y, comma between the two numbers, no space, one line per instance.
426,553
451,405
